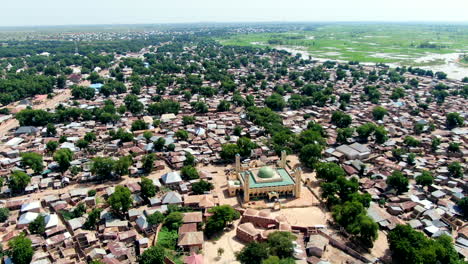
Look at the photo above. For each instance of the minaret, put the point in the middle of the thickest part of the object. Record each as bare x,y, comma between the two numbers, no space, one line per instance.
246,187
283,159
238,164
298,180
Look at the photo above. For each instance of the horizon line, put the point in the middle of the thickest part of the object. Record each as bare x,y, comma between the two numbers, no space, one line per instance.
449,22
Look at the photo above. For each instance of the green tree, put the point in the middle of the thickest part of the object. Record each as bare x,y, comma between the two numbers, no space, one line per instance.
82,144
93,219
455,169
380,134
51,131
33,117
201,187
103,168
253,253
139,125
159,144
189,159
133,105
21,251
329,171
182,134
425,179
221,216
398,181
454,120
90,137
121,200
276,260
410,246
411,158
341,119
462,204
38,225
223,106
200,107
52,146
153,255
148,189
63,157
411,141
173,220
32,160
275,102
310,154
453,147
281,244
122,165
365,131
379,112
155,218
188,120
435,144
18,181
148,162
148,135
189,173
343,134
229,151
4,213
245,146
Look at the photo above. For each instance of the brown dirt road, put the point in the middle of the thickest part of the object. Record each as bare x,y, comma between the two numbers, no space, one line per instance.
48,103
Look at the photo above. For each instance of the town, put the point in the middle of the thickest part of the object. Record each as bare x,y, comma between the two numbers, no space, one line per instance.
170,147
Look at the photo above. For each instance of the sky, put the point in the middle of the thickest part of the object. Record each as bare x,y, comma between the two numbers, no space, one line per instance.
68,12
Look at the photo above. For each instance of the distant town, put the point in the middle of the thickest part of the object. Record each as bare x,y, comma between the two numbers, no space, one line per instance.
166,145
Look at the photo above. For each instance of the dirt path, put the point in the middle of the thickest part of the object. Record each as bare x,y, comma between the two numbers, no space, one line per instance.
48,103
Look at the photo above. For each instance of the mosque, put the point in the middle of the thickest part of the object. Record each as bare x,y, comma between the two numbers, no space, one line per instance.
265,182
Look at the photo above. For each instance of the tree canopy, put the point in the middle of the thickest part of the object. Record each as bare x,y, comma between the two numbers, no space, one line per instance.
120,200
21,251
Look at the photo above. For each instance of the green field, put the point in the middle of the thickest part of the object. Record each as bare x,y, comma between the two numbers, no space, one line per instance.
384,43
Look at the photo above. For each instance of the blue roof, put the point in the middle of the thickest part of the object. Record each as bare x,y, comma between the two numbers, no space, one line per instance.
96,85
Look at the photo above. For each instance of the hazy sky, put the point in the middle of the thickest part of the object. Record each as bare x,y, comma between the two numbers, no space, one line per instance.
66,12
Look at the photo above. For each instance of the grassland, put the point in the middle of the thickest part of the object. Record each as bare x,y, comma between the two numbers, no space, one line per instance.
385,43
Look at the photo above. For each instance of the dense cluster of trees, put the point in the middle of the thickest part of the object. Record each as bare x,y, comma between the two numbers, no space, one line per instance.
410,246
221,216
278,248
348,205
17,86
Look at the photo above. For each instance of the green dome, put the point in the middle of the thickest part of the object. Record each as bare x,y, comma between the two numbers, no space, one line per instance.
266,172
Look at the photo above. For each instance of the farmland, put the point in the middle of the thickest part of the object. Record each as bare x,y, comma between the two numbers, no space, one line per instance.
405,44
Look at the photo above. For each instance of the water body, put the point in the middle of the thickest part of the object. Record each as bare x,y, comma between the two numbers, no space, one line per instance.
451,67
